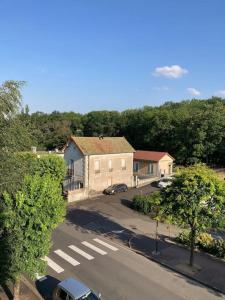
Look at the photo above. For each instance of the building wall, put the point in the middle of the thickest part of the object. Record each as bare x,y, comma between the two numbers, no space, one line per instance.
73,153
164,165
98,181
143,168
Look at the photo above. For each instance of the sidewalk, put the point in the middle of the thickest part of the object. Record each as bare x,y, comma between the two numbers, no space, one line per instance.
27,292
207,270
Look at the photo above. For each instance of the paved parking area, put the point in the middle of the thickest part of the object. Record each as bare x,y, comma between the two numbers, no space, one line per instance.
113,213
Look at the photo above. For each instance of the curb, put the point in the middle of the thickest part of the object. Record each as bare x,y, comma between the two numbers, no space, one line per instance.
152,258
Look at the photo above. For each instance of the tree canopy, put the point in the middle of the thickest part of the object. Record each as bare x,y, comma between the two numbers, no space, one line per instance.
27,219
191,131
14,135
195,199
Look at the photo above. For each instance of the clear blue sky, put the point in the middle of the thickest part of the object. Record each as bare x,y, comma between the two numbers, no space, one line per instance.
84,55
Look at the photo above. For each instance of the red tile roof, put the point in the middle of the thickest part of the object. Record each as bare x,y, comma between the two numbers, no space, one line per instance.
150,155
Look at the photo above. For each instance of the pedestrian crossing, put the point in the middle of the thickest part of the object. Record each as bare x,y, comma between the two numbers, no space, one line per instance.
81,252
67,257
53,265
96,245
93,247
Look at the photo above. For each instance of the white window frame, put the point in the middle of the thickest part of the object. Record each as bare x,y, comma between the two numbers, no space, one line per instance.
97,170
123,164
150,168
110,165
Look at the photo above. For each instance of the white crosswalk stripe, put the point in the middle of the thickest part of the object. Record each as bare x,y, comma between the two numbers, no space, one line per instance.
81,252
53,265
106,244
96,249
68,258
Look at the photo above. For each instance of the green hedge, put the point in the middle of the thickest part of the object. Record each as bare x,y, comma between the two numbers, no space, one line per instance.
146,203
205,242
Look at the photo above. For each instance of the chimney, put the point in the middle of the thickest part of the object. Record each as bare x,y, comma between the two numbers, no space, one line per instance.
34,149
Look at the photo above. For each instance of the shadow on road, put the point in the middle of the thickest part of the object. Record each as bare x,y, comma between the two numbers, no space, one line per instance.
46,287
126,202
7,292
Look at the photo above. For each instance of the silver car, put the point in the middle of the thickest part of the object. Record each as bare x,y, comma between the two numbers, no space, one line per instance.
72,289
164,182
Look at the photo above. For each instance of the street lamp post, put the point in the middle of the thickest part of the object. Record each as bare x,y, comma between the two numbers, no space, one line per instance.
156,251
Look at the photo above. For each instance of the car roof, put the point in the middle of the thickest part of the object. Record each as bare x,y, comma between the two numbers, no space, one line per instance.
115,185
74,287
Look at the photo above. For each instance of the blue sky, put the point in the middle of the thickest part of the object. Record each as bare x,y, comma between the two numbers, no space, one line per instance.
83,55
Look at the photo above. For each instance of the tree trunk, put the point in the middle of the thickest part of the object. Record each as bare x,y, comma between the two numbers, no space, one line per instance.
192,240
16,290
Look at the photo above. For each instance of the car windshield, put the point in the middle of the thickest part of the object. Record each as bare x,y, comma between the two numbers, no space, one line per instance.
89,296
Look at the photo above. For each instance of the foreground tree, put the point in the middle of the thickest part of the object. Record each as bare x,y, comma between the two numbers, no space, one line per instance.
14,136
196,199
27,219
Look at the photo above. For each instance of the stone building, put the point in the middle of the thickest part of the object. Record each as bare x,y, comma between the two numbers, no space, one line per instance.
94,163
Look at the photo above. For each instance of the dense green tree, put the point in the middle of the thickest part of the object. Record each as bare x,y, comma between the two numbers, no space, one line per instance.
195,200
102,123
14,135
27,218
191,131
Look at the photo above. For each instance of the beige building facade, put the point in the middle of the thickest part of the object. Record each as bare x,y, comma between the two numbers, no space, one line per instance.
95,163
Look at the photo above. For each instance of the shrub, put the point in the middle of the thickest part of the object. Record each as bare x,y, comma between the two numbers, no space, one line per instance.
146,203
204,241
218,247
142,204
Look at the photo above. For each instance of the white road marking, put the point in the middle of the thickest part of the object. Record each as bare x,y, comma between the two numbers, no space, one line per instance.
53,265
106,244
81,252
68,258
96,249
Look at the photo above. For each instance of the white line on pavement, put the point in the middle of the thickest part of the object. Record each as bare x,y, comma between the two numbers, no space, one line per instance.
96,249
53,265
106,244
68,258
81,252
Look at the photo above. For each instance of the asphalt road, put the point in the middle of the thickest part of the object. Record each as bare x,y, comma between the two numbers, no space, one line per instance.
118,275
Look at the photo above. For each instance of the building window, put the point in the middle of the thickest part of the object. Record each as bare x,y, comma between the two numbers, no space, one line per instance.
123,164
71,168
97,166
150,168
136,166
110,165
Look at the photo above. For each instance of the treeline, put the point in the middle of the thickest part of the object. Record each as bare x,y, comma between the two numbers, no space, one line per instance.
192,131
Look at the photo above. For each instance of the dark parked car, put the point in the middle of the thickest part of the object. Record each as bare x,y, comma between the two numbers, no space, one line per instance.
116,188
